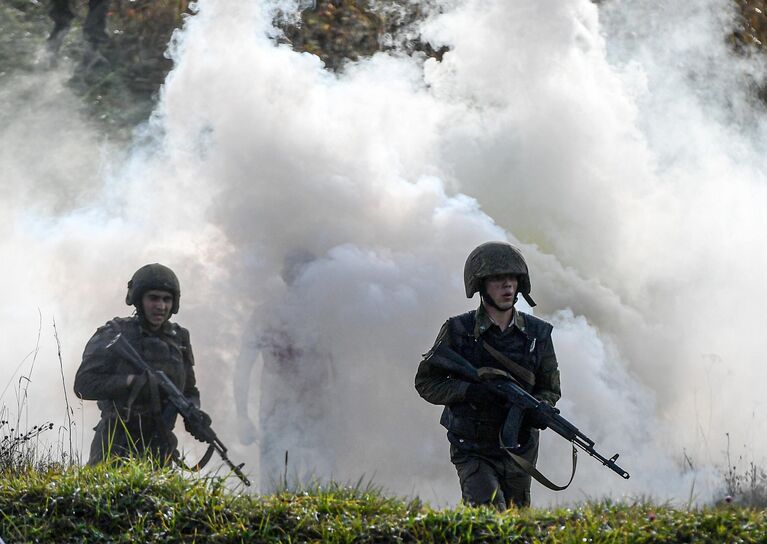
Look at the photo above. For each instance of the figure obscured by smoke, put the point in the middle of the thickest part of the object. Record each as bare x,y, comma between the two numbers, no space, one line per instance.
295,386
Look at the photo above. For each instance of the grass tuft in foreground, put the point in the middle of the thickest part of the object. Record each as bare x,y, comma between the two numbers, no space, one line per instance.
137,502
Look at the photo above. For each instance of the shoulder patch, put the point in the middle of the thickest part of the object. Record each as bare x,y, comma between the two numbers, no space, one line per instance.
462,325
116,324
180,336
537,327
182,332
441,336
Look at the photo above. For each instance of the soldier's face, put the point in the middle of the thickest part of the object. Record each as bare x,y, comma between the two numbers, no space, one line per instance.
157,306
502,289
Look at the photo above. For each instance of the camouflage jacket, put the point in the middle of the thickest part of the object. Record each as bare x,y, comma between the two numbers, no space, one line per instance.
103,376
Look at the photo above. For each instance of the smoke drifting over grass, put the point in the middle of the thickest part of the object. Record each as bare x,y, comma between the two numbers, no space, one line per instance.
625,162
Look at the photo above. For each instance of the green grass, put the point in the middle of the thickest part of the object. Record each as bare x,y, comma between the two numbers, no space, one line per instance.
135,502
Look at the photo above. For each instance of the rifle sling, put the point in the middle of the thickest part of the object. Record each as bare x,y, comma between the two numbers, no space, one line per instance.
517,370
136,388
523,463
528,467
199,465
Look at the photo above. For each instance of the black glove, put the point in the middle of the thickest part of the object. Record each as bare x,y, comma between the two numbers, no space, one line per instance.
485,395
141,386
538,418
199,427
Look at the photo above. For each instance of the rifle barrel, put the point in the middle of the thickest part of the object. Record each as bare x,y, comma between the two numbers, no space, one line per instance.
609,463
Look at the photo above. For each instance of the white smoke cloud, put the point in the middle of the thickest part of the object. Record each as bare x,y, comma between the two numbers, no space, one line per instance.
636,161
583,135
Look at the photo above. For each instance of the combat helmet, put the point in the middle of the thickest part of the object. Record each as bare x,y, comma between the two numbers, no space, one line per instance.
153,276
493,258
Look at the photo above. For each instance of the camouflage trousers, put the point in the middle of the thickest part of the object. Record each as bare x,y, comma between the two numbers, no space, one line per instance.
493,480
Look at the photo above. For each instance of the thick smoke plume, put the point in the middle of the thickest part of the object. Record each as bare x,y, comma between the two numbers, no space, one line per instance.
618,147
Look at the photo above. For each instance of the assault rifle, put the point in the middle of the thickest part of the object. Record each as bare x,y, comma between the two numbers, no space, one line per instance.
188,411
453,363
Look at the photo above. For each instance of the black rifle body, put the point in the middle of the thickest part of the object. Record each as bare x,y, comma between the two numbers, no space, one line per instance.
453,363
188,411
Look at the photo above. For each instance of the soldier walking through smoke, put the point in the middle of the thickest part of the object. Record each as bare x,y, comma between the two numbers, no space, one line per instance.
94,29
295,386
504,340
136,416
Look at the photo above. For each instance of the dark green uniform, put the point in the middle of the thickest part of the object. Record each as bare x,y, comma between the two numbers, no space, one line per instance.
486,472
135,426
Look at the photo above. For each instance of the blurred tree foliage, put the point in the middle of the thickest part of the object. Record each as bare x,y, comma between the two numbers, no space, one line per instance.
751,38
337,31
753,26
141,30
341,30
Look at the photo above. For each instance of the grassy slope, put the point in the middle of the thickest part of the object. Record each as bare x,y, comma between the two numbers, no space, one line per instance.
134,503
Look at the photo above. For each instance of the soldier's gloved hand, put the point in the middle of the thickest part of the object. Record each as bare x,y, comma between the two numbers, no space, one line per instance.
485,395
538,417
140,385
199,427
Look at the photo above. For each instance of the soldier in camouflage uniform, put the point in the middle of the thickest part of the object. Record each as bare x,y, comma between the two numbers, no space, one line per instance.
475,412
136,418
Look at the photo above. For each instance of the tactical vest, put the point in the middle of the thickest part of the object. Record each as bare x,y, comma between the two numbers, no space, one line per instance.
165,352
472,428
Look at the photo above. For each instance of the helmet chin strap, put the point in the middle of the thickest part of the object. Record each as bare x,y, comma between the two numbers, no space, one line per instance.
529,300
140,314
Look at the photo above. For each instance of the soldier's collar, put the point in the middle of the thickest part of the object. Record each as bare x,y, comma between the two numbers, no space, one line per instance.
166,329
483,321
